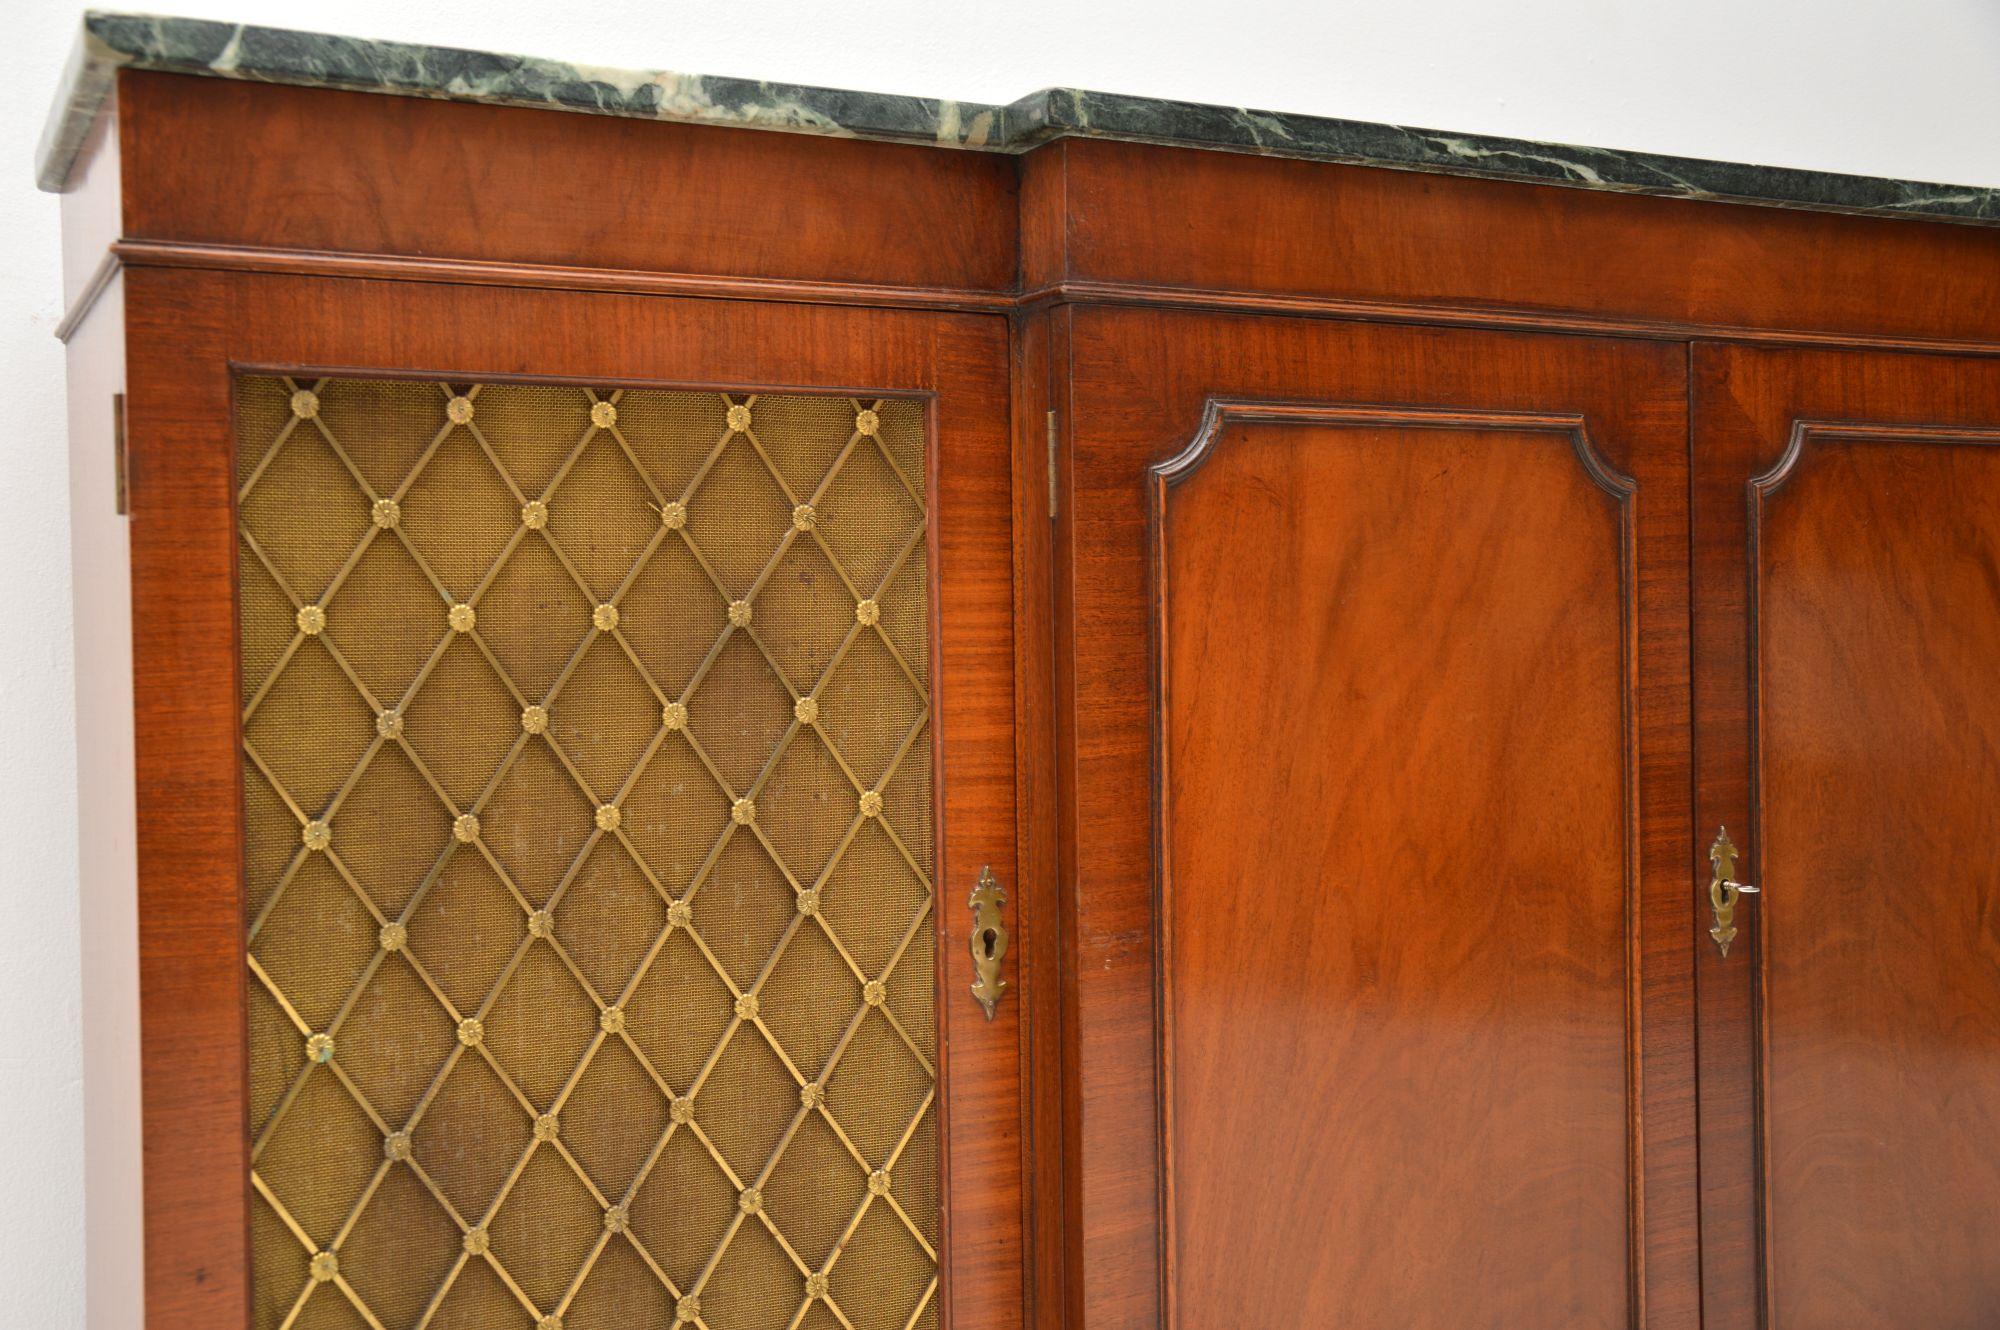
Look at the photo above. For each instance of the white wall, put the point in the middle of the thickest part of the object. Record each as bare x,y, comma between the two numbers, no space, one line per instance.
1909,88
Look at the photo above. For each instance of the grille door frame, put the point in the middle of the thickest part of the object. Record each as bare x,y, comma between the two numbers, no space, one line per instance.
190,333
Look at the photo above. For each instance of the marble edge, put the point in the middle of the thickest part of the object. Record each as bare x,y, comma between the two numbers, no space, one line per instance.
109,42
1066,112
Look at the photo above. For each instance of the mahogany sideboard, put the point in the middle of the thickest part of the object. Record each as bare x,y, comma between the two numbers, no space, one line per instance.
1094,713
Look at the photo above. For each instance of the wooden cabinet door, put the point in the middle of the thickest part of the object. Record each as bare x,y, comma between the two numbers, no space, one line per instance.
1375,672
1847,686
625,714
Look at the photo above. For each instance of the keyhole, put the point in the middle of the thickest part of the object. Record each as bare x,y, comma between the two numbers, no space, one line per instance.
986,941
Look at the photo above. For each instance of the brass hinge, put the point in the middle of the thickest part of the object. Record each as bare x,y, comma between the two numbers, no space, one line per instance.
1052,464
120,501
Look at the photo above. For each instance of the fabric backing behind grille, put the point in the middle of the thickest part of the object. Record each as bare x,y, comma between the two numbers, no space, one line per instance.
589,861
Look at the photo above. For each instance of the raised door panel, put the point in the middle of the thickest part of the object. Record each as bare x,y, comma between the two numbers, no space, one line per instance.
1867,634
1395,825
611,746
1399,936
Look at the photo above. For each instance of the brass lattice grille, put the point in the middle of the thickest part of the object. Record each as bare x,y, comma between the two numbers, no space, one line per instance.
587,783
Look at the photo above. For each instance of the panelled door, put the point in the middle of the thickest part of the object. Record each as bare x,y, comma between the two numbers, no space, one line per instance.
1847,694
1383,973
577,805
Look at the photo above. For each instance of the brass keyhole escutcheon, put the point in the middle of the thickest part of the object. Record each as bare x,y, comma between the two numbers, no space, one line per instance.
1723,891
989,940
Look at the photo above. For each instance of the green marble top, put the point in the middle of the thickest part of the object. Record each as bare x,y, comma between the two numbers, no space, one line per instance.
109,42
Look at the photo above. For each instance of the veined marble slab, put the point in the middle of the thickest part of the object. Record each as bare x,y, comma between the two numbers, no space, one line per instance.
109,42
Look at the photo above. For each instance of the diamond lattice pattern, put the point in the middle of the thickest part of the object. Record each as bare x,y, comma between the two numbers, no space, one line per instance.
587,772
